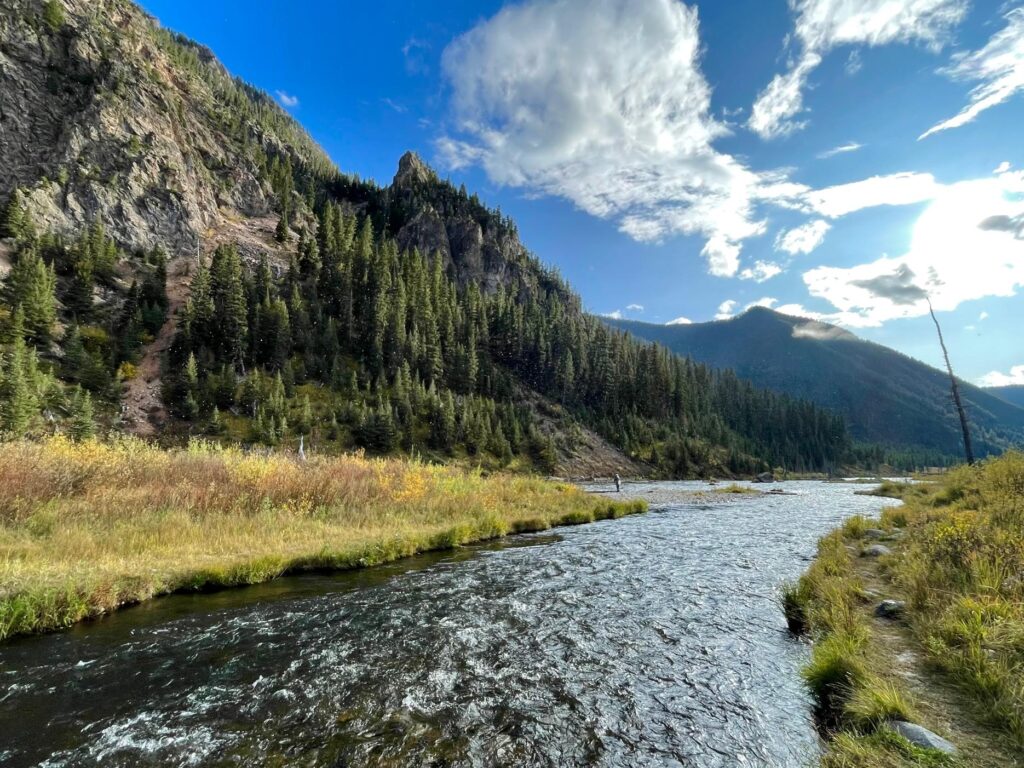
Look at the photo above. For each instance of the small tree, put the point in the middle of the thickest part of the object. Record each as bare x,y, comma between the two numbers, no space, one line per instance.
82,425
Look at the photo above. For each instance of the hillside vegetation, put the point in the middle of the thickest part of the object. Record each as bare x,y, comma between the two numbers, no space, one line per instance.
900,406
88,527
194,234
957,559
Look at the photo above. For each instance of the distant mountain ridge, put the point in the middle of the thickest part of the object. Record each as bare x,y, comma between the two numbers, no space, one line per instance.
1013,394
886,397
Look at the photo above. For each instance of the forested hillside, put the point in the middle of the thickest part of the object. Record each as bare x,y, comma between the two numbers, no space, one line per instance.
200,250
1013,394
899,404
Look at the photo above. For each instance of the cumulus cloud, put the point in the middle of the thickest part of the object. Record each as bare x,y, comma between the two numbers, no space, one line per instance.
635,307
1003,167
761,271
802,239
287,99
822,25
614,314
766,301
999,379
951,258
997,67
680,321
1013,225
842,149
603,103
726,309
893,189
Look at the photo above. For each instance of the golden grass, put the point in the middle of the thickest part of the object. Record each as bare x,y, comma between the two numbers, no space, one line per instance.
86,528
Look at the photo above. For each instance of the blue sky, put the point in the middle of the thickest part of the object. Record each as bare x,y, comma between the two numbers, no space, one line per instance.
683,160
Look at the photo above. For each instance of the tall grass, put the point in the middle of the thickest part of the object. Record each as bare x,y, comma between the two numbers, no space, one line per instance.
963,571
86,528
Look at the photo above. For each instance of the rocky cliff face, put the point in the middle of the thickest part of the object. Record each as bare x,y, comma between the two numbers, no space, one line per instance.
105,116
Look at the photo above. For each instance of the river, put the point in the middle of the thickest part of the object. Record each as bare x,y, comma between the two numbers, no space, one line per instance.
652,640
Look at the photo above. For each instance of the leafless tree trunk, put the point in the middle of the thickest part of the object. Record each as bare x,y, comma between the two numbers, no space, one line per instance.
968,451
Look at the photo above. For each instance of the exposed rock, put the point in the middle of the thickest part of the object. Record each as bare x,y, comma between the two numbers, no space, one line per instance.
875,533
922,737
876,550
98,121
890,609
765,477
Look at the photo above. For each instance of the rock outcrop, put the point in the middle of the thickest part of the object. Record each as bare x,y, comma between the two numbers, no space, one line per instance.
107,117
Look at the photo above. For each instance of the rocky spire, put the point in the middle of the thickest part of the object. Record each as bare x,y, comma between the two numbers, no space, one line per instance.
411,169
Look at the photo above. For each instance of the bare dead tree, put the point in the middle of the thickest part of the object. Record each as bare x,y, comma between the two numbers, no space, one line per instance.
968,451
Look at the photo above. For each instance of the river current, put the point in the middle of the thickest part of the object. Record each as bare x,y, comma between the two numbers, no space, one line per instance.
655,640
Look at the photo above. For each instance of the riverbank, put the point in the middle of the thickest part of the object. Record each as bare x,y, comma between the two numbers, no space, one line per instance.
88,528
917,617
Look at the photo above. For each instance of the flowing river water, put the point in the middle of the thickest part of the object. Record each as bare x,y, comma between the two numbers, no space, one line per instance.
652,640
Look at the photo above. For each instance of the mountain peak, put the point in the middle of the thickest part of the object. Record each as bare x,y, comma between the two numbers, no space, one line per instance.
412,170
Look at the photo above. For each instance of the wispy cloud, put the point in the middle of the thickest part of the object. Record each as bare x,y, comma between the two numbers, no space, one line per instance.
415,51
287,99
998,68
802,239
399,108
822,25
761,271
842,149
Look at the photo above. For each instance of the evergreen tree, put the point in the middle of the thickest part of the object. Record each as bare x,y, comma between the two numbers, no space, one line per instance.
82,425
31,285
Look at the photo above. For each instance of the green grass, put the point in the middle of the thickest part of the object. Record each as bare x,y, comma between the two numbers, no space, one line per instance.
88,528
960,564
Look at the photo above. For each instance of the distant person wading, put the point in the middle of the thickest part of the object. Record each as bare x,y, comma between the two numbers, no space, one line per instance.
618,483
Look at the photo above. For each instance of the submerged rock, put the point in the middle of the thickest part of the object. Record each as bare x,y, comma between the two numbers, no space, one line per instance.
921,737
876,550
890,609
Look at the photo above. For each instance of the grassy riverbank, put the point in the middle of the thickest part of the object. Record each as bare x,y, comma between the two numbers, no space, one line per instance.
86,528
957,560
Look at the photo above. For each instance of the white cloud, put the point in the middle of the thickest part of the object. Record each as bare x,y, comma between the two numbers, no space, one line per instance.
1003,167
956,255
399,108
802,239
761,271
822,25
680,321
726,309
842,149
603,103
998,68
854,63
767,301
614,315
894,189
287,99
998,379
983,316
635,307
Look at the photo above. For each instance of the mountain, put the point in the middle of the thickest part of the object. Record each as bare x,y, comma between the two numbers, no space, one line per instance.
182,258
886,397
1013,394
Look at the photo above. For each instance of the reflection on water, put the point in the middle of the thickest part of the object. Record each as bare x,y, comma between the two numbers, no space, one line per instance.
652,640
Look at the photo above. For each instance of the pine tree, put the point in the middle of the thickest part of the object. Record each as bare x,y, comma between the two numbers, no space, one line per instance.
82,425
19,404
31,285
16,222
